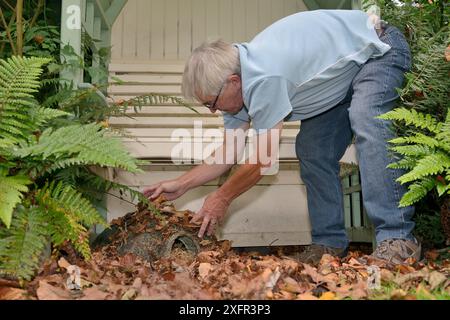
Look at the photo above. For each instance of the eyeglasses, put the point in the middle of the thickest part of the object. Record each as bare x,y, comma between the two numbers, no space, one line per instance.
213,106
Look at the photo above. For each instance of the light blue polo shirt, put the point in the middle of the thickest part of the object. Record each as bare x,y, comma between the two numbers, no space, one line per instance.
302,65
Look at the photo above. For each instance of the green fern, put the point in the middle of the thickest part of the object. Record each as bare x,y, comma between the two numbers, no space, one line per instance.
21,246
37,148
426,156
11,193
18,80
412,117
417,191
69,213
80,144
154,99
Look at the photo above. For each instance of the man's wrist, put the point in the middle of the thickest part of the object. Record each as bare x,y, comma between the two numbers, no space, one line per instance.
185,183
226,197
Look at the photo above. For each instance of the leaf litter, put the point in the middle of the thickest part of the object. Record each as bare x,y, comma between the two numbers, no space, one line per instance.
217,271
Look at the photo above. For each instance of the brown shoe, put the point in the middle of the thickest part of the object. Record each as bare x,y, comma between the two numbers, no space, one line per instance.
313,253
397,251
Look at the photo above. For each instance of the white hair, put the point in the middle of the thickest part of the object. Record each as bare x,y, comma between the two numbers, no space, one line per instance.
208,67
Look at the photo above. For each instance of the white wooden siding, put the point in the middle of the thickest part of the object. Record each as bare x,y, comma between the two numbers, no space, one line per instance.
168,30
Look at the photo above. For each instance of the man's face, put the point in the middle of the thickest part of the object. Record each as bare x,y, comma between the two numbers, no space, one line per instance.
229,98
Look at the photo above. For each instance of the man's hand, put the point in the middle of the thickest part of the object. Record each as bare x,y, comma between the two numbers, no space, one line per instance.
213,211
170,189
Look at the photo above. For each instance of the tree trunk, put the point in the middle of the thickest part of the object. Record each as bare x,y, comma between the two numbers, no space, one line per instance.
19,19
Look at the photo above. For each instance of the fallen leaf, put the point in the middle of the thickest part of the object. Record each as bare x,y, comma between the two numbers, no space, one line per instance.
421,290
204,269
8,293
386,275
327,296
291,285
62,263
306,296
226,245
205,242
169,276
46,291
129,295
432,255
272,277
94,293
435,279
398,294
137,284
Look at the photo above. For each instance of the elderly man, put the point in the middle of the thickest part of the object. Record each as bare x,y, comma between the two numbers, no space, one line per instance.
334,71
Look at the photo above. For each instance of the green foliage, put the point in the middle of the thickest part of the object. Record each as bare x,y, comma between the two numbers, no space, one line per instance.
39,151
11,190
154,99
426,156
421,118
21,246
18,80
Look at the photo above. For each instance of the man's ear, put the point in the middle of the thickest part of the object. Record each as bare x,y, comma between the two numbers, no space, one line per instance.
235,79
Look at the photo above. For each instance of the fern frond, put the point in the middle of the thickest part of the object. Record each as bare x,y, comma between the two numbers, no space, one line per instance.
11,193
63,197
21,246
405,164
444,135
41,116
416,151
418,138
419,120
68,210
430,165
18,80
81,144
417,191
155,99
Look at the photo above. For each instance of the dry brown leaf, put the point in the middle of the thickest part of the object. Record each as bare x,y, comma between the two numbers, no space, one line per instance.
312,272
94,293
398,294
137,284
435,279
62,263
306,296
386,275
8,293
129,295
271,278
401,280
205,242
432,255
225,245
359,290
46,291
286,295
204,269
290,285
328,296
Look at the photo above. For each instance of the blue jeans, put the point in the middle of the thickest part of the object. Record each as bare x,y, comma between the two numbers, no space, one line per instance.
323,139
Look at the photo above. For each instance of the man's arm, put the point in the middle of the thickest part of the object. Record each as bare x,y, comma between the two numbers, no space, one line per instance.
216,205
217,164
